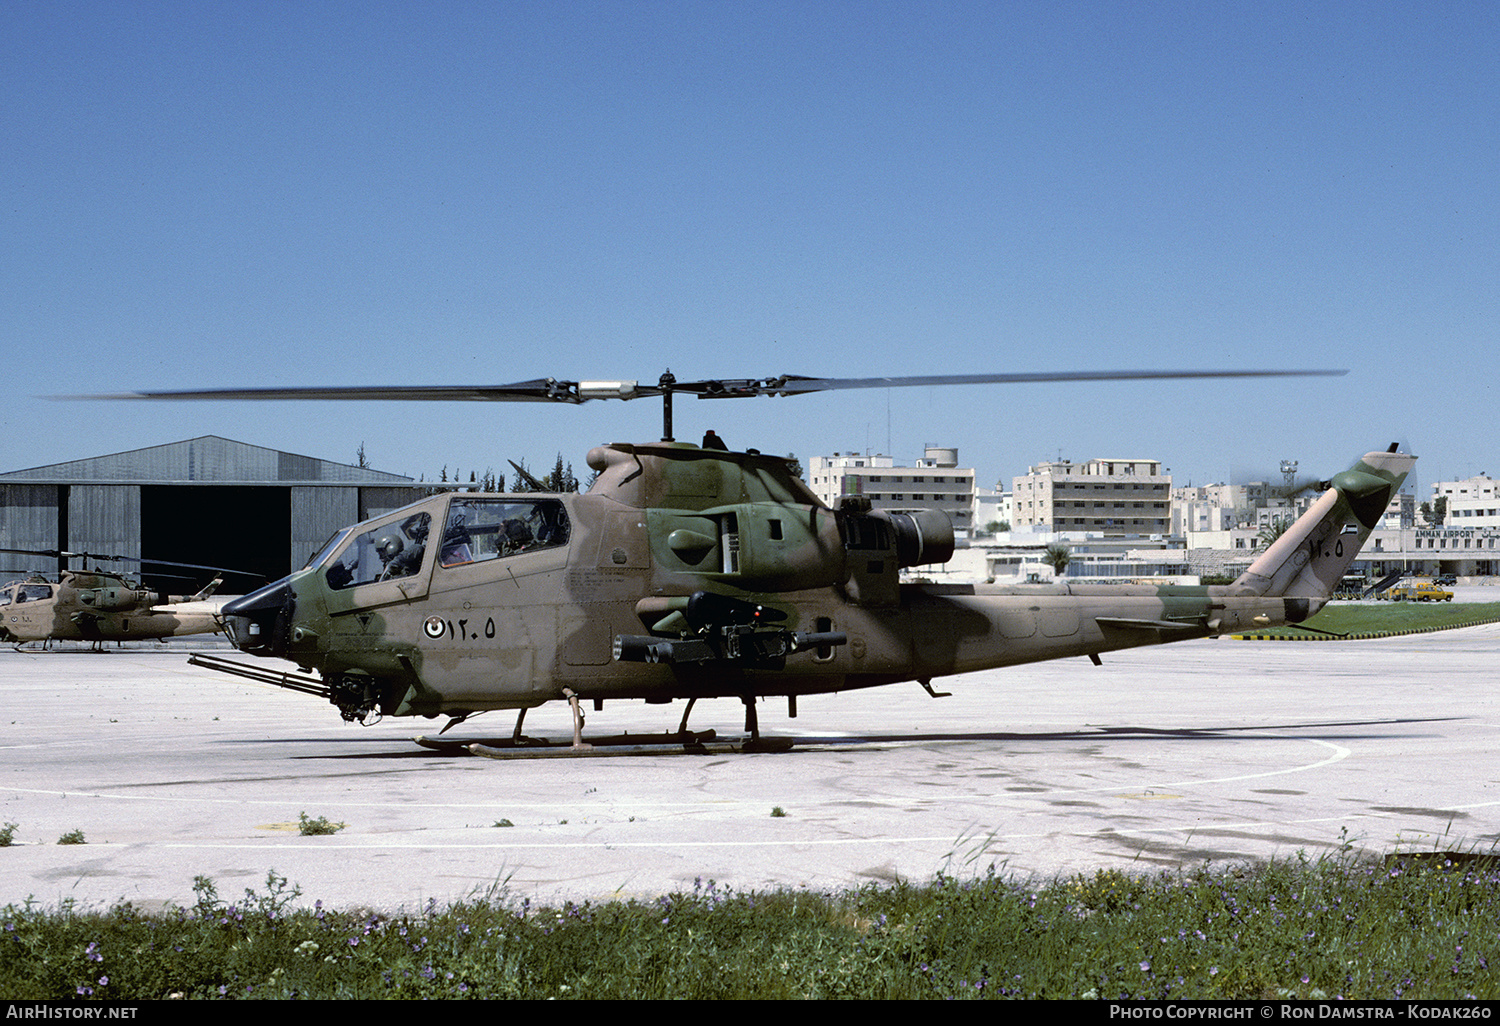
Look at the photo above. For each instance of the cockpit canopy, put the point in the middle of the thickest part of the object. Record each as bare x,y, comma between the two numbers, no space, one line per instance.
25,592
477,529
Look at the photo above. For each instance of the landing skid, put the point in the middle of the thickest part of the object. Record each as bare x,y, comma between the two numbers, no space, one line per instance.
703,742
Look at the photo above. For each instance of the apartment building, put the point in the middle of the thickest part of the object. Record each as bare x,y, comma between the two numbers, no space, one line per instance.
1113,497
935,482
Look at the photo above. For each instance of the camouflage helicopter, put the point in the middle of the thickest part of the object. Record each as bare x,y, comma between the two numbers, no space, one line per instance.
690,572
97,605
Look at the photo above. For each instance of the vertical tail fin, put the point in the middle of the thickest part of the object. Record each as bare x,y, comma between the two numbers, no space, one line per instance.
1315,552
208,590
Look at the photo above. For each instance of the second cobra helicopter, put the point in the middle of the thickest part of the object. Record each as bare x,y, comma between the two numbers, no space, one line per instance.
689,572
99,605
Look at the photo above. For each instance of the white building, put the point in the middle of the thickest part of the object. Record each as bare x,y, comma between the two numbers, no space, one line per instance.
1193,511
1115,497
991,506
1401,513
935,482
1472,502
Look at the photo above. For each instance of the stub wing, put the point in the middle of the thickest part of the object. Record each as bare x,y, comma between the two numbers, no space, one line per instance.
1156,626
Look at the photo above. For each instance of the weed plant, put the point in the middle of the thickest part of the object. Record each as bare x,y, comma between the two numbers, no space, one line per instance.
1333,928
309,827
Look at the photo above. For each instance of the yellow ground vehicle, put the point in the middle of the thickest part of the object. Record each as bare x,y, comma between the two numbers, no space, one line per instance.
1419,591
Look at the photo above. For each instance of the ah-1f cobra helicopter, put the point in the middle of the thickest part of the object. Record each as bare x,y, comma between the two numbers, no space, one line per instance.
688,572
97,605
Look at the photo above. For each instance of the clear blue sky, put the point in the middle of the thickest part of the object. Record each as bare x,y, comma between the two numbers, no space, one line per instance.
243,194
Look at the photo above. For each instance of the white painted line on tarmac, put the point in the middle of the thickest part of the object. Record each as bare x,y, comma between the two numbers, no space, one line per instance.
948,839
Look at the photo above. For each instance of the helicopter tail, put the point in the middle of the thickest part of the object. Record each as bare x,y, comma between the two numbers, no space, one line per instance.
208,590
1310,558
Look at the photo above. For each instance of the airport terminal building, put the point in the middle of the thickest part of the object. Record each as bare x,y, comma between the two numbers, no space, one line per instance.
207,500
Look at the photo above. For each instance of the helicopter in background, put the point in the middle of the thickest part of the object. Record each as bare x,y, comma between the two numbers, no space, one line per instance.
99,605
690,572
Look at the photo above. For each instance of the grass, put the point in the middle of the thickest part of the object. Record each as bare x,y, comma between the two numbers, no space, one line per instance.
1330,928
1390,618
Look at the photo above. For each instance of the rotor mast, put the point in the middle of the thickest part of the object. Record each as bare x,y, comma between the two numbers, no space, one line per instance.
666,382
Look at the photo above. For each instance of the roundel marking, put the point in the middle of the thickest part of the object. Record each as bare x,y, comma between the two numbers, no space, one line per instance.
433,627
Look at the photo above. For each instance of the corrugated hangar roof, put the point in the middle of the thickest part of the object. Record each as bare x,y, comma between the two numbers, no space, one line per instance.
208,459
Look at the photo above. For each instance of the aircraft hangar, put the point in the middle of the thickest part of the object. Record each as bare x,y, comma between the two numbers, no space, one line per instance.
207,500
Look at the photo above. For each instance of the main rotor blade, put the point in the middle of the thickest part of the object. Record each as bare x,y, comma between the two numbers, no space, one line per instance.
793,384
101,557
555,390
538,391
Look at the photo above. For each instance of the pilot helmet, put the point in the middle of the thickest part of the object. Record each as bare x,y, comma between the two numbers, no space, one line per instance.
389,546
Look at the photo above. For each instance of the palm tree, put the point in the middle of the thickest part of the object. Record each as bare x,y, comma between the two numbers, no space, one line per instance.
1057,556
1273,530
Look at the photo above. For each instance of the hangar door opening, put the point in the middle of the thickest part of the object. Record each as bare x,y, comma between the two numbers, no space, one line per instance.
242,528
